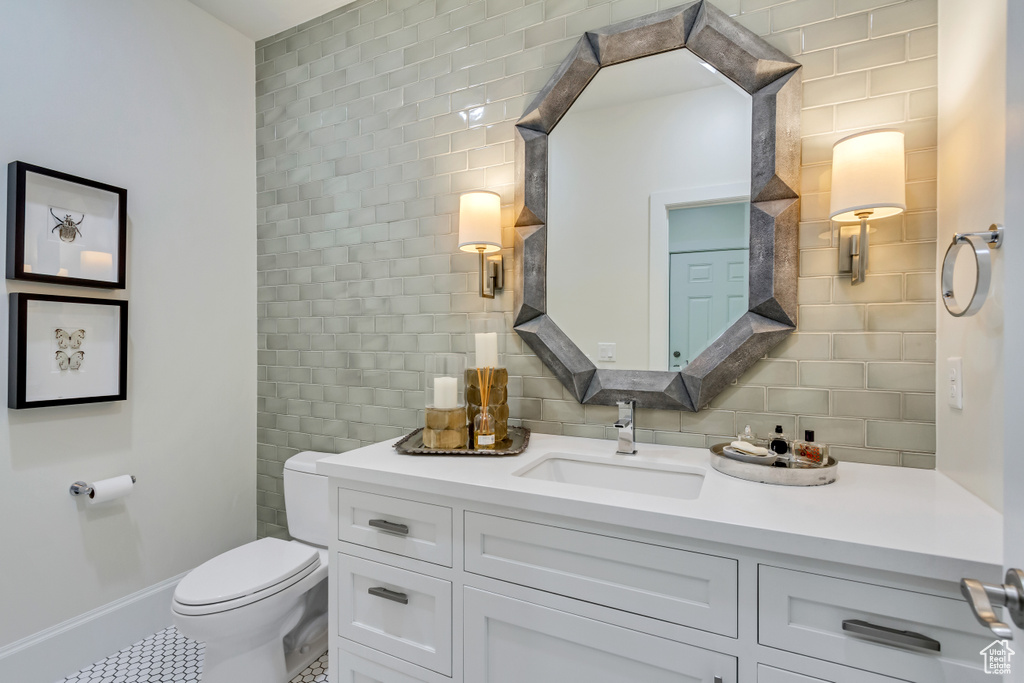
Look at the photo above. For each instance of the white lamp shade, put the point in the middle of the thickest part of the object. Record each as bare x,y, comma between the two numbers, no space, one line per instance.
480,222
868,175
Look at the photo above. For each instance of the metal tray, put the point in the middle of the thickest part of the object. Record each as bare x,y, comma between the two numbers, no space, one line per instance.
519,439
771,474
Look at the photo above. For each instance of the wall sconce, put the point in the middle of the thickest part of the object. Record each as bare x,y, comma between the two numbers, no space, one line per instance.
480,231
868,181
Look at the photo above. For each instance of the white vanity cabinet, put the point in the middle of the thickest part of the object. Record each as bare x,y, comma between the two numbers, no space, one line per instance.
441,590
457,575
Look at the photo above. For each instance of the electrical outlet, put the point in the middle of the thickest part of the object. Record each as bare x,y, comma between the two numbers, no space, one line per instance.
955,387
606,352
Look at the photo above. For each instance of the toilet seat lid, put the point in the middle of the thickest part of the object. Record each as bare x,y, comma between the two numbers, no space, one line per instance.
245,570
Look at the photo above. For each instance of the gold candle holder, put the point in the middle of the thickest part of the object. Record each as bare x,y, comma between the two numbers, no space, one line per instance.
497,390
445,425
446,428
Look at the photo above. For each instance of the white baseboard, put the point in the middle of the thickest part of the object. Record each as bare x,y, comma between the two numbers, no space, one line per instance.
61,650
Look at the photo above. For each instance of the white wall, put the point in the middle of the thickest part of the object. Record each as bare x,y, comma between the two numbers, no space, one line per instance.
156,97
690,140
971,163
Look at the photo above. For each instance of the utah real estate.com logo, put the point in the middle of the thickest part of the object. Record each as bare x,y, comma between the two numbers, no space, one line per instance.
997,657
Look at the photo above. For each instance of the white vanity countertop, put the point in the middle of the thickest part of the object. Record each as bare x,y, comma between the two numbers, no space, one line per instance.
891,518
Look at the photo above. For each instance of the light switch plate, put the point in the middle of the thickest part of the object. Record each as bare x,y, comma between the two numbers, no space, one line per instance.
606,351
955,382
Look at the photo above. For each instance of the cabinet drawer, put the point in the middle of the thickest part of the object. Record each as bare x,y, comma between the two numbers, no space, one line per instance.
402,613
396,525
769,674
687,588
513,641
805,613
353,669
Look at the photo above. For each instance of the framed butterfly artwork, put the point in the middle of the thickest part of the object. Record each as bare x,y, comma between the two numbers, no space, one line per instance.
65,350
63,229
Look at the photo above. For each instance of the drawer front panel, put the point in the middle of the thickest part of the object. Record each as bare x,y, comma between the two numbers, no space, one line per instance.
402,613
353,669
769,674
395,525
512,641
681,587
805,613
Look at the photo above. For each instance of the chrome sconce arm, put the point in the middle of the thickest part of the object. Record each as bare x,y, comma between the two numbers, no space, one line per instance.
492,274
853,249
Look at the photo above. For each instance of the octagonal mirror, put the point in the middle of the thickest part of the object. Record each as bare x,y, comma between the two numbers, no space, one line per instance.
657,209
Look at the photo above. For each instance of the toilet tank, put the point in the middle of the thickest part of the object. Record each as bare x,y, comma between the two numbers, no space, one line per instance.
305,499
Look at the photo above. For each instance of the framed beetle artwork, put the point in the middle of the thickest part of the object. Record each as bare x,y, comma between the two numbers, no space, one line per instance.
63,229
65,350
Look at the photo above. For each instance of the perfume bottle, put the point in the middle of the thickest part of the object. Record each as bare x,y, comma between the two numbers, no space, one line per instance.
778,443
746,435
809,452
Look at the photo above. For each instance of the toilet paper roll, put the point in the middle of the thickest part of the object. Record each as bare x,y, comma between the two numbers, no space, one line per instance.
106,490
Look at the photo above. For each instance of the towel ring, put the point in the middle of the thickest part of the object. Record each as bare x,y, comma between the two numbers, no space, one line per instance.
979,242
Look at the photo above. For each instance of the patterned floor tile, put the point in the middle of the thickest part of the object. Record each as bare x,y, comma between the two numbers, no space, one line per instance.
167,657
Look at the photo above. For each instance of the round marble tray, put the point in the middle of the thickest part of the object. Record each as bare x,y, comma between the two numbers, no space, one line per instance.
770,474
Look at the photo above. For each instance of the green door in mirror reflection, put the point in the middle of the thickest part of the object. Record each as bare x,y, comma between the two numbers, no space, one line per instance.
707,275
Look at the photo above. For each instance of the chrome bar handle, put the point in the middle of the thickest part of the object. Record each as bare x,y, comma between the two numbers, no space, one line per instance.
982,596
891,635
390,527
393,596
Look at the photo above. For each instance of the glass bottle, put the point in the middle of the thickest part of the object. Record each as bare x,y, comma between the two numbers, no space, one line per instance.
484,425
778,443
810,452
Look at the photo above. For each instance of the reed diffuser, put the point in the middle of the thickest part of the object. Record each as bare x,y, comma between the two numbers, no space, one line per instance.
487,379
484,422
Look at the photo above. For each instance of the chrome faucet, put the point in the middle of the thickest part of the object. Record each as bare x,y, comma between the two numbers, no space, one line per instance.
626,427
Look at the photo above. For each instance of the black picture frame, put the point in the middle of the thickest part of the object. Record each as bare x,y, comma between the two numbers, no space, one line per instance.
18,178
24,367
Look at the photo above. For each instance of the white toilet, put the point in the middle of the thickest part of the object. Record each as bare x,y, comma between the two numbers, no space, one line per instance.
261,608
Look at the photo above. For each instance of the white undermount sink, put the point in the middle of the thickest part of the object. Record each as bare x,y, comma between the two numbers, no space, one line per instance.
620,474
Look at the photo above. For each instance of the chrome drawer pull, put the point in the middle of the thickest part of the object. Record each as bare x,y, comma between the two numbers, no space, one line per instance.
390,527
891,635
394,596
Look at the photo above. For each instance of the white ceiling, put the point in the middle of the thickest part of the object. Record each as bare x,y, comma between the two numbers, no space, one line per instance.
260,19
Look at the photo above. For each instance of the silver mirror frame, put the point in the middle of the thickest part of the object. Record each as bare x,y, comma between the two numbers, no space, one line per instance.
773,81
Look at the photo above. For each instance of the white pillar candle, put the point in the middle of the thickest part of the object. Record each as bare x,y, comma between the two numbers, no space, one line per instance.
446,393
487,349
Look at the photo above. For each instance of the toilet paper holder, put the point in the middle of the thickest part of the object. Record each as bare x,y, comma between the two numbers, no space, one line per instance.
80,488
